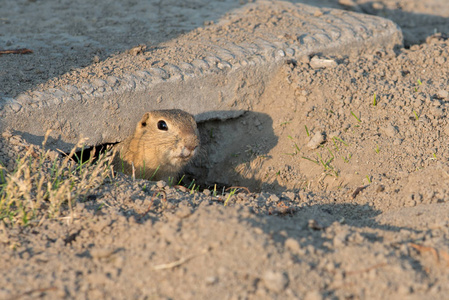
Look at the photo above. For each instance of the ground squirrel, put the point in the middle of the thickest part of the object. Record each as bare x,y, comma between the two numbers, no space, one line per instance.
162,144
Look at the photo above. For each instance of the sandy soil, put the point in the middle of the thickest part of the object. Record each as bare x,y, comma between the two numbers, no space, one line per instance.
361,212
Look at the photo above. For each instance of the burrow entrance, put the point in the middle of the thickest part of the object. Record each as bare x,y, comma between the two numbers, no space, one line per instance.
268,148
261,150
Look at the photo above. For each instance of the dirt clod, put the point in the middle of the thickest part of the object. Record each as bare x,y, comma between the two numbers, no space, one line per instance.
275,281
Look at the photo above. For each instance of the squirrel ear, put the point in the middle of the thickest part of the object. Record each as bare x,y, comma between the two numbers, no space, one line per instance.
143,122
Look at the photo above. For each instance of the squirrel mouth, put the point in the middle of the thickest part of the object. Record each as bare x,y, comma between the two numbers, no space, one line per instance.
182,158
185,157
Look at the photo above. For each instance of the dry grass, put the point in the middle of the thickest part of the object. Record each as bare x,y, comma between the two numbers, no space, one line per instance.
46,185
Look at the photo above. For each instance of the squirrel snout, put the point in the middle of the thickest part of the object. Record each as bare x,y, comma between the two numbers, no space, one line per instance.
188,150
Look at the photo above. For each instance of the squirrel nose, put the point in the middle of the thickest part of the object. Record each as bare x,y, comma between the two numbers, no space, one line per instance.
188,150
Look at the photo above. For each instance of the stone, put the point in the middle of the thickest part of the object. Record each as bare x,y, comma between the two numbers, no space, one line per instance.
321,63
292,245
275,281
316,140
442,94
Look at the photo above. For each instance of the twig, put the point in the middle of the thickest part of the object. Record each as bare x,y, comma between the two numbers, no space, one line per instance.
239,187
422,249
177,263
16,51
181,188
358,190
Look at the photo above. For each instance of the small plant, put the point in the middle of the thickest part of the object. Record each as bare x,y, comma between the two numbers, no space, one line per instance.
346,159
335,144
369,179
332,155
41,186
191,184
215,190
416,115
229,196
374,100
154,173
142,170
192,190
377,149
180,180
2,174
419,83
327,168
297,150
321,161
311,160
357,118
307,130
339,139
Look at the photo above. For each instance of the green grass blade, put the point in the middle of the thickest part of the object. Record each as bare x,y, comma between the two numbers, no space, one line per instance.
356,117
314,161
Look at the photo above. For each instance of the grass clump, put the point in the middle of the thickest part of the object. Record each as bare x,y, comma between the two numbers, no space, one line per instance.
45,185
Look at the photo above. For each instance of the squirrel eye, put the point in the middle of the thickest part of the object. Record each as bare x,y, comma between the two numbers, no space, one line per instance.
161,125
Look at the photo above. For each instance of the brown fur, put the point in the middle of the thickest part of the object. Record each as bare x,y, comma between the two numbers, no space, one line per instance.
158,154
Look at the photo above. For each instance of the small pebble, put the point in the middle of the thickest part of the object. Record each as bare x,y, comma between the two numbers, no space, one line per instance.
137,50
16,107
275,281
318,13
321,63
292,245
390,130
101,252
161,184
211,280
442,94
273,198
183,211
316,140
